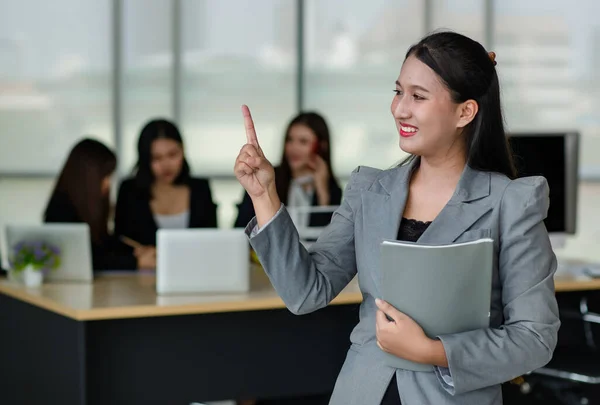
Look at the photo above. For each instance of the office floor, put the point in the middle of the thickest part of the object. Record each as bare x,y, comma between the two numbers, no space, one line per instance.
215,403
511,396
316,400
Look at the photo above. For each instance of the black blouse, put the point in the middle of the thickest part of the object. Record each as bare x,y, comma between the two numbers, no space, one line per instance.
410,230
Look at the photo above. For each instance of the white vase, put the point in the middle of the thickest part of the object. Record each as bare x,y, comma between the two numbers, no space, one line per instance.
32,277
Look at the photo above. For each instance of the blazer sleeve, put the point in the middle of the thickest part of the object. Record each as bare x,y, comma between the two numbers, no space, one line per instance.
111,254
211,207
205,210
122,226
308,280
245,212
527,265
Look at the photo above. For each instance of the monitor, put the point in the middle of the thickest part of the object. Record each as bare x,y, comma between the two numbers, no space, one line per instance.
554,155
309,234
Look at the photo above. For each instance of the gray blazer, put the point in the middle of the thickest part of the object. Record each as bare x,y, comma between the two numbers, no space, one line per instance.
524,315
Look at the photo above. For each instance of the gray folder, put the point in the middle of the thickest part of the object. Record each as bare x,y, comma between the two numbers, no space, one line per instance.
445,289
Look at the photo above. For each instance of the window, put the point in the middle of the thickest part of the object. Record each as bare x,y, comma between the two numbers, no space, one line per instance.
55,80
549,69
353,54
147,57
233,53
236,52
463,16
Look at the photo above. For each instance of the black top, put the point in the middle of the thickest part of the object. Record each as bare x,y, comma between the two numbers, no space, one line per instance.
108,254
319,219
134,218
410,230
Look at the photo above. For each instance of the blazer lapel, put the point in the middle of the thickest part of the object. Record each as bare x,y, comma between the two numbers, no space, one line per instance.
466,206
384,207
382,211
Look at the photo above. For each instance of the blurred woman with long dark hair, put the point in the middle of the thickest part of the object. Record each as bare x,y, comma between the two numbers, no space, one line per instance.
82,195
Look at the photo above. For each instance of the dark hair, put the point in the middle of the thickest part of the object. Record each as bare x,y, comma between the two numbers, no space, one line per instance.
153,130
469,73
318,125
80,180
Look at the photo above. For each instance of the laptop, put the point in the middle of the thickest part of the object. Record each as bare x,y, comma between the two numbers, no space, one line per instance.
202,261
74,243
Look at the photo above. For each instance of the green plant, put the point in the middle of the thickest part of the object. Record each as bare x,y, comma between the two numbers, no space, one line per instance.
40,255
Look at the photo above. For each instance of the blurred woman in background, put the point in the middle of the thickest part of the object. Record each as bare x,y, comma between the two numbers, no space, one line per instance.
81,195
305,177
162,193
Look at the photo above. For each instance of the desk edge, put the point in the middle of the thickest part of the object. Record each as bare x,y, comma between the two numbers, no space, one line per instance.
143,311
40,302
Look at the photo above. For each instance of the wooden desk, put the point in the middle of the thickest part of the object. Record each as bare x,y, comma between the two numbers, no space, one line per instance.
128,296
564,283
117,342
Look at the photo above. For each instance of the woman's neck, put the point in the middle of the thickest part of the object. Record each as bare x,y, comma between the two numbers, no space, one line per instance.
440,173
160,187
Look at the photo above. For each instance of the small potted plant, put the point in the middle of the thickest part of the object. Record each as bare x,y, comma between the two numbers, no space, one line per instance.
32,259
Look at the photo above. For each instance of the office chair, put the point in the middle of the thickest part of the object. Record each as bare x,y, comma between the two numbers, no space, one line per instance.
572,370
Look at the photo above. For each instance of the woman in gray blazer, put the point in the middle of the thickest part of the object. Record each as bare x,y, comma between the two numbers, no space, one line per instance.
457,186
